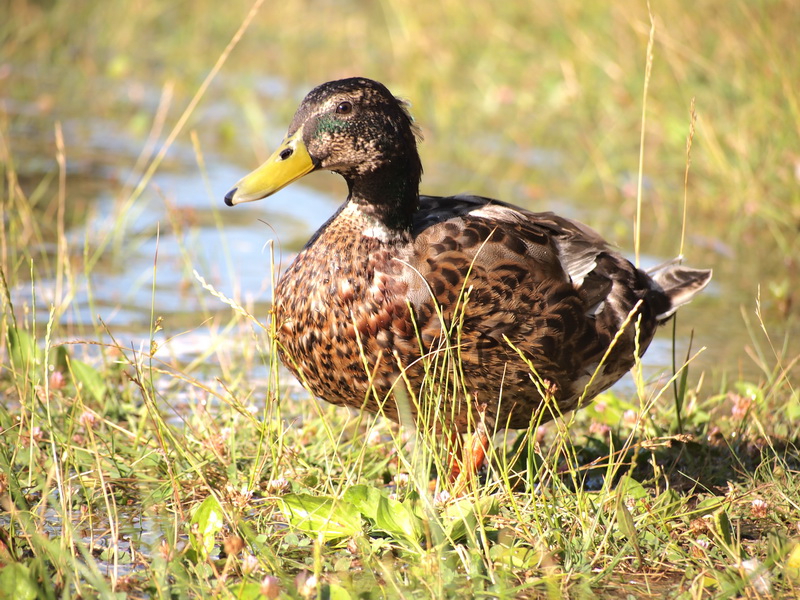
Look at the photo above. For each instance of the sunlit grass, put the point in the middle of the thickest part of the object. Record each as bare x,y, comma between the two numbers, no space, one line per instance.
127,469
94,449
112,458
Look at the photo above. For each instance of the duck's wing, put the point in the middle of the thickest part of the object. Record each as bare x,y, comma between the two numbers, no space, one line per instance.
551,247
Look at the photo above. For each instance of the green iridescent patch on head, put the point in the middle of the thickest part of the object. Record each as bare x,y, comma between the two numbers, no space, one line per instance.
330,124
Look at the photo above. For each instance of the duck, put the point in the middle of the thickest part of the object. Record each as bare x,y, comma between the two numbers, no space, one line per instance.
462,314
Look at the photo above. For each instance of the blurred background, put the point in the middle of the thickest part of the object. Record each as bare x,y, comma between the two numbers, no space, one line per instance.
534,102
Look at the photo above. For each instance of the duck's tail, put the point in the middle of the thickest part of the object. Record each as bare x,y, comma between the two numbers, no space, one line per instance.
680,285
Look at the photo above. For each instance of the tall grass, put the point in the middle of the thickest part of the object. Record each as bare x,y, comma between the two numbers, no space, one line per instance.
127,470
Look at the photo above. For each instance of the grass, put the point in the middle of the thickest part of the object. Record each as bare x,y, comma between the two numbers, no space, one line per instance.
128,469
111,487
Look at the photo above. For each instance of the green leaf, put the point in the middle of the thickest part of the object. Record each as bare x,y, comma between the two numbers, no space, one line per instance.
396,519
628,528
722,526
208,519
334,591
792,567
89,378
608,408
24,352
708,505
246,591
365,499
464,515
321,516
17,583
669,502
750,390
792,407
60,359
516,557
399,521
625,521
629,487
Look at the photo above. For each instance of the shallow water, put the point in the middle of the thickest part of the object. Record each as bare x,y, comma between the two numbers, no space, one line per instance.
119,550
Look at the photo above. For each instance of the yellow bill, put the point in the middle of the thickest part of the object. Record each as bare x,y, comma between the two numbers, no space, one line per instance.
287,164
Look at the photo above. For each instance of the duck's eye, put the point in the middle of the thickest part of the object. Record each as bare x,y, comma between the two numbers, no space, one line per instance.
344,108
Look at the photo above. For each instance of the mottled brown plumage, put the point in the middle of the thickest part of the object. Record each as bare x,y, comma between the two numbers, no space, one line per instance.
395,284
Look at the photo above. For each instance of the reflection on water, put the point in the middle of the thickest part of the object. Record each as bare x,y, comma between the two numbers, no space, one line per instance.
119,548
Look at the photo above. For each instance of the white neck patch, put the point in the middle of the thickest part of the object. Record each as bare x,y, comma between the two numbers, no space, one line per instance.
374,229
378,232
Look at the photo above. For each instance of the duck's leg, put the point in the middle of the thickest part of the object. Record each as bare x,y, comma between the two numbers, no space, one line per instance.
467,458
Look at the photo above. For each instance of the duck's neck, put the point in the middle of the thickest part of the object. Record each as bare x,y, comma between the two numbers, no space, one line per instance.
389,194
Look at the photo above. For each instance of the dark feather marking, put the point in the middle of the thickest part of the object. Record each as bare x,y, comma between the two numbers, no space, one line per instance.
548,286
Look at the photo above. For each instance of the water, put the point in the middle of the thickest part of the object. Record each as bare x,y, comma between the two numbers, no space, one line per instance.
136,536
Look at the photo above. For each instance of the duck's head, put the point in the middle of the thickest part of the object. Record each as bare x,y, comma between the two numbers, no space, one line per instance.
354,127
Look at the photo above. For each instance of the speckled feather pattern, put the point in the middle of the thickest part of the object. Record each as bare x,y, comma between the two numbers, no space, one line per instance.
532,305
343,309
